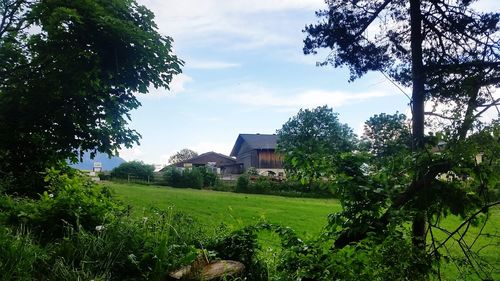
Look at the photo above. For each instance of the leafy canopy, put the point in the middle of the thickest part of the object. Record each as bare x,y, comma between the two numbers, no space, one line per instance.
69,77
387,135
450,56
134,170
312,141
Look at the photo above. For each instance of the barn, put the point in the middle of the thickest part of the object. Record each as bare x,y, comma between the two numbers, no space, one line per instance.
258,151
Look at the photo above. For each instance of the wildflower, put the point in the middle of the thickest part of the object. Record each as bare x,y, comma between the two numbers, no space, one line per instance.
51,195
99,227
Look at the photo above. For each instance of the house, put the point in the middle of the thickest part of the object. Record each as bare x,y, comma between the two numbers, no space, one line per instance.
219,163
258,151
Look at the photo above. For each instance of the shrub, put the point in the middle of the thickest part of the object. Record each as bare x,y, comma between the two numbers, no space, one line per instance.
242,184
228,186
172,177
134,170
394,259
192,178
72,200
144,248
241,245
196,177
210,179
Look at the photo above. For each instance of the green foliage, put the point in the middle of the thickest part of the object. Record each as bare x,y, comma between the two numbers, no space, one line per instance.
241,245
196,177
71,201
442,49
311,142
77,231
102,53
172,177
392,258
291,188
124,249
192,178
210,178
20,254
242,184
134,170
387,135
128,249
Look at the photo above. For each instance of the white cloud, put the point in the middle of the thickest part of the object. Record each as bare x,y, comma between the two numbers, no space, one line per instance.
240,24
205,64
131,154
487,6
252,95
360,129
178,84
206,146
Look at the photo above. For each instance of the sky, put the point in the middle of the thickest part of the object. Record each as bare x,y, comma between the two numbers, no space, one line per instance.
245,72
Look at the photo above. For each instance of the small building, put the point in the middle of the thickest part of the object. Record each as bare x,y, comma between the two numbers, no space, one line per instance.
217,162
258,151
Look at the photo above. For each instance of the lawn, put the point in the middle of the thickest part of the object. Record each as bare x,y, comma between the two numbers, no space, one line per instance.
305,215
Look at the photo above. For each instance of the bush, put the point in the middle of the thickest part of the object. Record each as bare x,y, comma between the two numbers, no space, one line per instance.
72,201
227,186
68,245
266,185
210,179
192,178
241,245
134,170
393,258
242,184
197,177
172,177
144,248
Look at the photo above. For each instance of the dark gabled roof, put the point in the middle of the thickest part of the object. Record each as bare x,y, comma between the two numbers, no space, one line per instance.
255,141
203,159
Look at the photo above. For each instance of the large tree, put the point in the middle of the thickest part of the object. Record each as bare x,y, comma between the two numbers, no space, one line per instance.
69,77
313,141
448,54
182,155
134,170
386,135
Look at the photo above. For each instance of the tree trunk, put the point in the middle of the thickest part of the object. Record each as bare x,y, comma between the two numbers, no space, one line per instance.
418,98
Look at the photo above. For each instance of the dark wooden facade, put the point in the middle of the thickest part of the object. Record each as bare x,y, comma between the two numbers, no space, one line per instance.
257,151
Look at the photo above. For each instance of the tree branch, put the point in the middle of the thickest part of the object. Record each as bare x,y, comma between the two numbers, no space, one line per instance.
482,210
440,115
373,17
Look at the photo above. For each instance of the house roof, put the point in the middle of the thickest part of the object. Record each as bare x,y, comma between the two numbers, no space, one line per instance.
255,141
203,159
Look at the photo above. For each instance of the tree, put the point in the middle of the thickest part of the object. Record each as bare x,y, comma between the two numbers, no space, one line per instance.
387,135
134,170
449,54
312,141
182,155
69,76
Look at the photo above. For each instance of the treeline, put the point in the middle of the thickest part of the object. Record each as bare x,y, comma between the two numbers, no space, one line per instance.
205,178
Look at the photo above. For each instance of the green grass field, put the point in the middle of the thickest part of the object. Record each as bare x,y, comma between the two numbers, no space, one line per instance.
305,215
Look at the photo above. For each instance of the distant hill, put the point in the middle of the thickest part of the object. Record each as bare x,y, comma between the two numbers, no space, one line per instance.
108,164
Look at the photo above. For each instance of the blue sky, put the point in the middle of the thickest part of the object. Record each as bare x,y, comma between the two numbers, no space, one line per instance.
245,73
